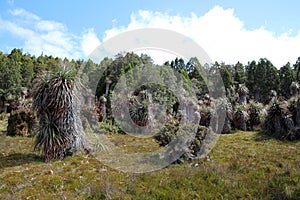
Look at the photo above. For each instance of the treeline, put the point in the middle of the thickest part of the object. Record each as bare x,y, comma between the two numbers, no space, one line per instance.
261,78
18,71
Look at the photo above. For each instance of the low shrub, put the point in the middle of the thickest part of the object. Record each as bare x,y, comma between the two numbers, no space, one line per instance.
107,127
21,123
187,139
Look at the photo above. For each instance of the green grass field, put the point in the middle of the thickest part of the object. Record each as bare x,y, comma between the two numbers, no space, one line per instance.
243,165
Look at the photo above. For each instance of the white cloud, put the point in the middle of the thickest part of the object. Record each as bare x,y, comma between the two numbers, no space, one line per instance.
90,42
158,56
222,35
24,14
219,32
42,36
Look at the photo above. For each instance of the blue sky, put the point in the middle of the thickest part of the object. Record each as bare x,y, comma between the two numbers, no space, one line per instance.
229,31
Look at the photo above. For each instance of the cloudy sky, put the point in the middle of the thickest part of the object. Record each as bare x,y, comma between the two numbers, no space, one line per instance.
228,30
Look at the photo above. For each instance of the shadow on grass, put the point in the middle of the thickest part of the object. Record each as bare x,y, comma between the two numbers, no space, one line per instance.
18,159
260,136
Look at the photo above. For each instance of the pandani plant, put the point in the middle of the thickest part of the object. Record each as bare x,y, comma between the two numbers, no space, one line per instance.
279,121
240,117
139,109
226,107
242,91
57,105
255,114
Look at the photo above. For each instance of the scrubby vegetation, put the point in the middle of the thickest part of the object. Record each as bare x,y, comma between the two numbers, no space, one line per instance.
281,121
243,165
192,136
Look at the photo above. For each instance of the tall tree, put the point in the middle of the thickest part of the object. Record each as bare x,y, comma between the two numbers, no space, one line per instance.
239,74
287,76
10,72
267,78
261,79
197,73
251,79
27,70
297,69
226,76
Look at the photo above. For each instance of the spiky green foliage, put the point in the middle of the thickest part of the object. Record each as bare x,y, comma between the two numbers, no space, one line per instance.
232,95
57,107
242,91
294,108
141,103
240,117
255,114
225,106
279,122
294,88
138,111
206,114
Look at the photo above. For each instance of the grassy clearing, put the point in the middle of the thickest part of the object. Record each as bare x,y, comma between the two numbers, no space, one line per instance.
243,165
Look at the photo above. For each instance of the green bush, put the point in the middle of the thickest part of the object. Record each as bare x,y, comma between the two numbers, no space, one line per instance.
21,123
167,133
185,135
108,128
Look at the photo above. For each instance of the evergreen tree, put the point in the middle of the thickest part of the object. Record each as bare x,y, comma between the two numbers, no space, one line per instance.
261,79
226,76
287,76
251,80
27,71
239,74
297,69
10,74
